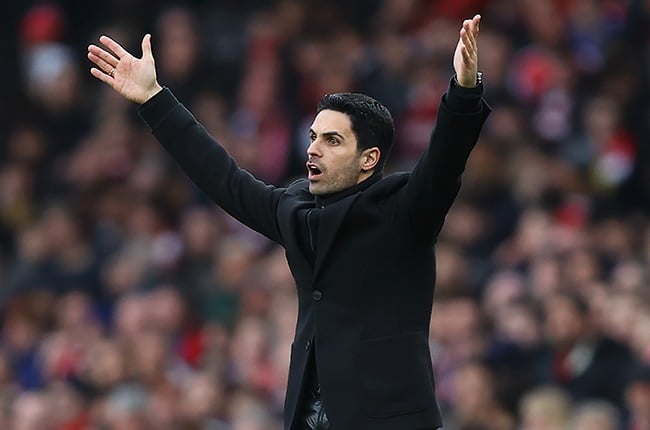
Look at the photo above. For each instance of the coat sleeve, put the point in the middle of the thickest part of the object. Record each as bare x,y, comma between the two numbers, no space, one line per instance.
210,167
435,181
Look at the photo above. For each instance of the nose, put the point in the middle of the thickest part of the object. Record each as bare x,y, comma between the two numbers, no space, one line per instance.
313,150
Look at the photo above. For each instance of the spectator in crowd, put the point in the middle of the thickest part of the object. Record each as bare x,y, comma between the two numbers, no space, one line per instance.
476,402
596,415
637,398
586,364
545,408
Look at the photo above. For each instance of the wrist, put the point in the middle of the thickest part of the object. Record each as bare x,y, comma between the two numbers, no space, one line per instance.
470,80
155,89
464,99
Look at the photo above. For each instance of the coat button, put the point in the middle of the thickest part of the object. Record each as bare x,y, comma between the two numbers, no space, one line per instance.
316,295
308,345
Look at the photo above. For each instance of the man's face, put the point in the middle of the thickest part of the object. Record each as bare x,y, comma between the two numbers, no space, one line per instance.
333,162
564,324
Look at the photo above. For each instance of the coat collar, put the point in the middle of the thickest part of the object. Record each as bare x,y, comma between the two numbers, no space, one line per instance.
328,199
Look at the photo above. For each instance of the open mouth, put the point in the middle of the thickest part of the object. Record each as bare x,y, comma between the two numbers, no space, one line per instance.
313,171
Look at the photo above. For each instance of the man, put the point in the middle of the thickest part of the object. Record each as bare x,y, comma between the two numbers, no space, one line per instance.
637,398
359,245
576,357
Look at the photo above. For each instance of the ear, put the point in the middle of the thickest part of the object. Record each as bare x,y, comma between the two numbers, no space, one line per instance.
369,158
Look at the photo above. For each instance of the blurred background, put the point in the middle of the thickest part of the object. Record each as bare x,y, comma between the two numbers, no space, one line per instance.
130,302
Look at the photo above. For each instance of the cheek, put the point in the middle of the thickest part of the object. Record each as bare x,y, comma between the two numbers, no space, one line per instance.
345,170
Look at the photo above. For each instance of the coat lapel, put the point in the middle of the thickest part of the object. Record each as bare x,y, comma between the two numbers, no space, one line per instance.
289,221
330,220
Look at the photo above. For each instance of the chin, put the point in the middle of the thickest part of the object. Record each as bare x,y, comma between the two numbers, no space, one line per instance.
318,189
315,190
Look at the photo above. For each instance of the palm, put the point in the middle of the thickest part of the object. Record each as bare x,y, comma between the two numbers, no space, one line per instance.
132,75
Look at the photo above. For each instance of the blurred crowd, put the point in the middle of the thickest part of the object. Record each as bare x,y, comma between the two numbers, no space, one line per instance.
130,302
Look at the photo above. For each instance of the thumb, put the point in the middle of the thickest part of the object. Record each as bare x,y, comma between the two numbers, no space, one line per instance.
146,46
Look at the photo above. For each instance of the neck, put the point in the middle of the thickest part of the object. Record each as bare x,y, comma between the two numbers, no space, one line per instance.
327,199
365,175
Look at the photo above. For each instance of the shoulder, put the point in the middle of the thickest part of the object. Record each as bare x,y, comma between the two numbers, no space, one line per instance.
394,181
388,185
298,190
297,186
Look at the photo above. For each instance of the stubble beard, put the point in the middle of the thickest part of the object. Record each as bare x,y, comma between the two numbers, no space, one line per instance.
340,180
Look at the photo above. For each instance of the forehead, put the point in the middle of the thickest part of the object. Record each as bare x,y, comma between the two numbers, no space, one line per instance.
331,120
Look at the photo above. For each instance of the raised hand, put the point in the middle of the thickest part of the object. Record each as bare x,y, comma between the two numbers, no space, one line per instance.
134,78
466,55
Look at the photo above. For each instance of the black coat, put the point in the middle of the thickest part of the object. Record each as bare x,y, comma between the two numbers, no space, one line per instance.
365,304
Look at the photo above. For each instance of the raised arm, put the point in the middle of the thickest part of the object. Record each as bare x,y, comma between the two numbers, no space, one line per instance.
207,163
435,181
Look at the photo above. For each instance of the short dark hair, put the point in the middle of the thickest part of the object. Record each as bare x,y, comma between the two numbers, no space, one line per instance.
371,121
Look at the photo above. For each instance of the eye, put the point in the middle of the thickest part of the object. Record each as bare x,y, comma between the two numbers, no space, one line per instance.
333,140
312,137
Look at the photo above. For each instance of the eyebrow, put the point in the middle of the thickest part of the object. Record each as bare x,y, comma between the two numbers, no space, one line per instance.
328,133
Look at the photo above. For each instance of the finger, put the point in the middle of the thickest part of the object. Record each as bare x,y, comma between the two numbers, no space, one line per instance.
470,26
114,46
106,68
467,40
146,46
105,56
476,21
468,33
467,25
102,76
465,37
467,57
472,35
